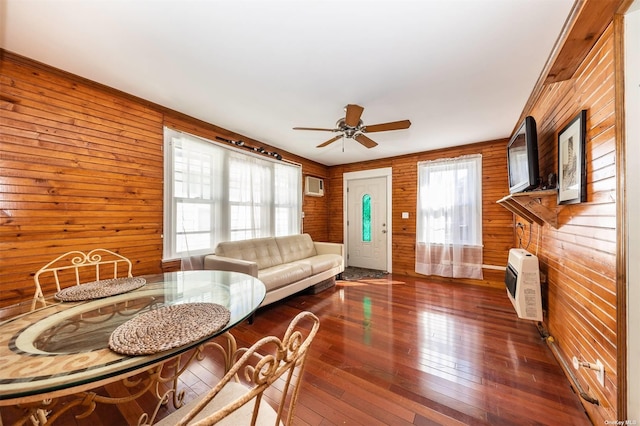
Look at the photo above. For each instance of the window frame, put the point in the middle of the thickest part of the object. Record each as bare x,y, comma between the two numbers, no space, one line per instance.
439,166
219,198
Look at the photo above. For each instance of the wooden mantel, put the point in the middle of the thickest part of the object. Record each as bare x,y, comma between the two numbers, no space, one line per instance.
528,205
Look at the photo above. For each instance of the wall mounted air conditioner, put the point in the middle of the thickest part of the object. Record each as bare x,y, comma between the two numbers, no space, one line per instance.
313,186
522,280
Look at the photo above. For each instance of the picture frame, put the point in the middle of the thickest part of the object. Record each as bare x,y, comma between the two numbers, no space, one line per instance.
572,171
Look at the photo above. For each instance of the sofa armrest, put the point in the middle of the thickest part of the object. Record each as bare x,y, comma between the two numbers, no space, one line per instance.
329,248
221,263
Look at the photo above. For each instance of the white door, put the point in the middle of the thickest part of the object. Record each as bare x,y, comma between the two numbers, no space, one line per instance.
367,226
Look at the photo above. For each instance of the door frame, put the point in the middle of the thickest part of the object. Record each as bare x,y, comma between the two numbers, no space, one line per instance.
629,205
366,174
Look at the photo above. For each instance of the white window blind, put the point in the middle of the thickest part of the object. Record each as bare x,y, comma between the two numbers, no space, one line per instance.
215,193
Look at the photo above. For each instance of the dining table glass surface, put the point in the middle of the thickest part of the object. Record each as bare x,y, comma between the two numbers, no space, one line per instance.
55,348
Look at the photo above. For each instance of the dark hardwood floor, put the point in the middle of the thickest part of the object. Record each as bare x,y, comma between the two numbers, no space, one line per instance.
405,351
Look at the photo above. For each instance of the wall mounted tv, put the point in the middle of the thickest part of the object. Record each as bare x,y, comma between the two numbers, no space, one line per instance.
522,157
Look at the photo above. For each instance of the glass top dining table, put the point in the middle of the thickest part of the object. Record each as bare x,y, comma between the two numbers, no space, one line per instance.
62,348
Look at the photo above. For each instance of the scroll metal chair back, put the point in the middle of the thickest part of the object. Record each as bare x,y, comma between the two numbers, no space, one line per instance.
76,267
240,398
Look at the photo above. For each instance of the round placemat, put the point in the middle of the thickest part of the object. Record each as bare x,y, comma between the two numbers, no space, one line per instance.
168,327
99,289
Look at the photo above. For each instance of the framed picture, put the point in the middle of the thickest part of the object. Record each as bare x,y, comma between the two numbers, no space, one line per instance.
572,172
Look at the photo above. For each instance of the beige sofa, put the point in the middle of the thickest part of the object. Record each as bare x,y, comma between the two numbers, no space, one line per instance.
286,265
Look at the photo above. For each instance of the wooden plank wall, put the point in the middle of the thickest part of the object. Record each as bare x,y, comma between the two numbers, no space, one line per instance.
81,167
497,222
579,258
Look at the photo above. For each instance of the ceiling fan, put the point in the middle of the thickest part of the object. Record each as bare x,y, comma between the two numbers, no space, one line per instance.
352,127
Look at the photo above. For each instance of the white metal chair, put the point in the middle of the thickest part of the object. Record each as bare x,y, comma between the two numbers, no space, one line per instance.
239,398
76,267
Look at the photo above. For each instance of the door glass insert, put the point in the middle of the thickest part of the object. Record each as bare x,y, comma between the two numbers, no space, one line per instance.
366,218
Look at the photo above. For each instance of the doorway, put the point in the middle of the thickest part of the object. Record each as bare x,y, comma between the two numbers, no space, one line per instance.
367,219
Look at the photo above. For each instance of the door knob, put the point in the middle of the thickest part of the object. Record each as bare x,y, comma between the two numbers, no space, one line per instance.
384,231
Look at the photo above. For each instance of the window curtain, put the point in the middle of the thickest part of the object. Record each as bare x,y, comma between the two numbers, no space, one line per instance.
250,197
449,217
214,193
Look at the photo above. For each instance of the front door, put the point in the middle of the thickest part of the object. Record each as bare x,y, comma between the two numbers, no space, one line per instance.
367,226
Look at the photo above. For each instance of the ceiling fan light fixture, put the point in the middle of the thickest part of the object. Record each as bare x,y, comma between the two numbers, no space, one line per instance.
349,132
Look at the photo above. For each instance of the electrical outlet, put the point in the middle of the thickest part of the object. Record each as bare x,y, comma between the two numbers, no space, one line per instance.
600,372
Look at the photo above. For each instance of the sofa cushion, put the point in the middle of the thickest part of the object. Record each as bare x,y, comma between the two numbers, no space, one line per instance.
282,275
263,251
295,247
321,262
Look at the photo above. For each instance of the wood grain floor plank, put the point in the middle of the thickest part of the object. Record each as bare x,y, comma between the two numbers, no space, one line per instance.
410,352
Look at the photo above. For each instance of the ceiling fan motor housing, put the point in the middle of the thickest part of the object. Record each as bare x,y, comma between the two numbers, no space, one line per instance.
349,132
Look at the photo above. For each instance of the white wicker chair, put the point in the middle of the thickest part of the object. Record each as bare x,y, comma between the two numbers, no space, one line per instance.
76,267
238,398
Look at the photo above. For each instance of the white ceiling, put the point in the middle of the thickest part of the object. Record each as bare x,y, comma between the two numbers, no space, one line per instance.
461,71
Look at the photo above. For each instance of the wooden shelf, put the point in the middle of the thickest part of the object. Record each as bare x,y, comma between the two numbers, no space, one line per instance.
528,205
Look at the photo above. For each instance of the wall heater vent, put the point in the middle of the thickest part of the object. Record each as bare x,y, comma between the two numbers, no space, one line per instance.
522,279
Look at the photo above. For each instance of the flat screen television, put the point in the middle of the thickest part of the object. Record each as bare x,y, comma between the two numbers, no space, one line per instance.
522,157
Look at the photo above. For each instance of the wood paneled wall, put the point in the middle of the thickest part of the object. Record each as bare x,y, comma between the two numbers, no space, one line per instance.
81,167
497,233
579,258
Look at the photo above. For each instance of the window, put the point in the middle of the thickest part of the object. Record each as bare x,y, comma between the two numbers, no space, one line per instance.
449,216
215,193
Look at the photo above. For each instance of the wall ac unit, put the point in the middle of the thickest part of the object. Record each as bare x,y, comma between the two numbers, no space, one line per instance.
522,279
313,186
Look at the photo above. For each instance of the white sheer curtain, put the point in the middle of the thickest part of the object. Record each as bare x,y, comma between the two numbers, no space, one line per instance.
449,217
250,197
214,193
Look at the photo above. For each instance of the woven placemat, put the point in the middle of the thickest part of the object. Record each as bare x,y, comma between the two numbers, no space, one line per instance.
168,327
99,289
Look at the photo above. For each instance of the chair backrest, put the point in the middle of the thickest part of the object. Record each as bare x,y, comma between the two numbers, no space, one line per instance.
238,398
76,267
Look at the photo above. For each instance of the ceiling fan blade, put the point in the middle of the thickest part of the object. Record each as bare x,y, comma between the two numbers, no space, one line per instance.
329,141
394,125
365,140
352,117
315,128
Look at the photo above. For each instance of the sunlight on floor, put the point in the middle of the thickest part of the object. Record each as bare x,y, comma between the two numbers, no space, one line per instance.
358,283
